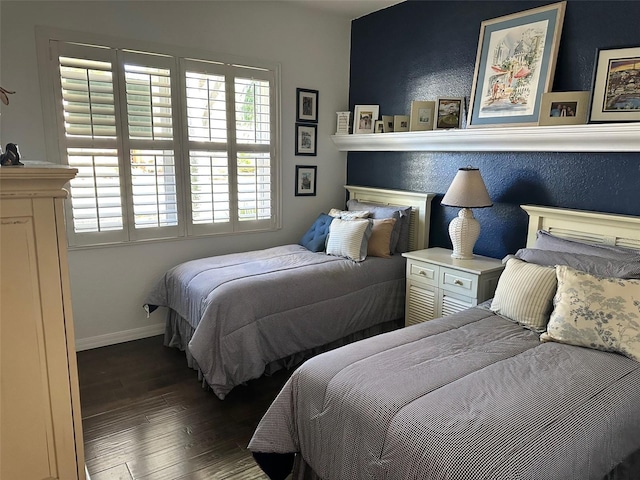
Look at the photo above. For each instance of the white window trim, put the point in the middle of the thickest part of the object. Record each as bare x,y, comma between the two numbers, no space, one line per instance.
52,135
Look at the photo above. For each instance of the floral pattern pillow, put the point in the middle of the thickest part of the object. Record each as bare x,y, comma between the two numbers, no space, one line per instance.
596,312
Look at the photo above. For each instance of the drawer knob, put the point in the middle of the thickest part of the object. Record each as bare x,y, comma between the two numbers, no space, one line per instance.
422,272
458,282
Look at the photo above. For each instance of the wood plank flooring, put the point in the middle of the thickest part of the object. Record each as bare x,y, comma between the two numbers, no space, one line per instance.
146,416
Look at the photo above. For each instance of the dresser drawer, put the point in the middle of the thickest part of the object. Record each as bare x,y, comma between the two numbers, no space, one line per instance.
423,272
458,281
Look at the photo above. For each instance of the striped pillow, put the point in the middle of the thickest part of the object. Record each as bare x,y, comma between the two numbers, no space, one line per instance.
525,294
349,238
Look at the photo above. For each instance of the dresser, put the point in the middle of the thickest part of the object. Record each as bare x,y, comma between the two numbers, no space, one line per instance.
438,285
40,420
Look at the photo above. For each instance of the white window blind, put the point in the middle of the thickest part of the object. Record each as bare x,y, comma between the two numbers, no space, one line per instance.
165,146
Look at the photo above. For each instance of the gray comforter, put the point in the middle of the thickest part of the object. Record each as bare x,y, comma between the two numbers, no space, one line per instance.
469,396
250,309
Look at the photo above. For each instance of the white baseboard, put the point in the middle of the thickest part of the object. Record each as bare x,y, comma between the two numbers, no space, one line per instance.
118,337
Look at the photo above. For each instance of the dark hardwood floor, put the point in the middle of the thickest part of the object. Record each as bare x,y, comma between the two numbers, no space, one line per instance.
146,416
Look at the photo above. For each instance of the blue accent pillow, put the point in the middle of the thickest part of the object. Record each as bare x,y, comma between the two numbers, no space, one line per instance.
315,238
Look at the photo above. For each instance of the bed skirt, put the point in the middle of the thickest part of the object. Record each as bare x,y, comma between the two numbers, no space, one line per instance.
178,333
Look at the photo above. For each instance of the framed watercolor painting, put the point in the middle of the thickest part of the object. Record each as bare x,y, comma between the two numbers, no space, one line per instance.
615,95
564,108
306,139
306,180
364,118
448,112
515,65
306,105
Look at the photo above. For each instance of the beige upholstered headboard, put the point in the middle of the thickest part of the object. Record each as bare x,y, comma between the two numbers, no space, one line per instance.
584,226
420,212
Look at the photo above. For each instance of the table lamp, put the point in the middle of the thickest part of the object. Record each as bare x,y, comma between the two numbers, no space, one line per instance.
467,191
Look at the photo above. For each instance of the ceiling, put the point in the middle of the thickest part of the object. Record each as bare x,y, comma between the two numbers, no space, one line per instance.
350,9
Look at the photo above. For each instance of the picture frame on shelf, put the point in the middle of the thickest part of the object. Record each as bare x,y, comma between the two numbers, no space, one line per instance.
306,180
387,121
401,123
342,126
306,105
364,118
515,65
615,92
449,112
422,115
306,139
379,127
564,108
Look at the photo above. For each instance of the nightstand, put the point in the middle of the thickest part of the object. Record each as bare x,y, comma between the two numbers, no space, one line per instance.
438,285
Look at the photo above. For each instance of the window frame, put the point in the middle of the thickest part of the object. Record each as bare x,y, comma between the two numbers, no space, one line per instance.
182,57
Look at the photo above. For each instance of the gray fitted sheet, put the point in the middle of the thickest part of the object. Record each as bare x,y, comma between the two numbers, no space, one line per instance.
469,396
250,309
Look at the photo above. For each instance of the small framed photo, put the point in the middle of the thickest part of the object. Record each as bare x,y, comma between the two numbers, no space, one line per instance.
422,114
449,112
306,139
387,121
379,127
306,180
401,123
342,126
364,118
564,108
306,105
615,95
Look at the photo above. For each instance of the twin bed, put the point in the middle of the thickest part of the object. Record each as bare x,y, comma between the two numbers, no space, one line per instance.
239,316
477,395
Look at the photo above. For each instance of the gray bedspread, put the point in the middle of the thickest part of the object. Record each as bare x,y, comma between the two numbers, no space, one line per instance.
249,309
469,396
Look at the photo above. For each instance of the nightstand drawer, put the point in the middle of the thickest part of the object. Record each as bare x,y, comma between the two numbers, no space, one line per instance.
425,273
458,281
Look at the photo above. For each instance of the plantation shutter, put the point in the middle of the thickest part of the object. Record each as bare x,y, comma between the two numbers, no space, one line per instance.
150,98
254,141
230,147
165,146
87,91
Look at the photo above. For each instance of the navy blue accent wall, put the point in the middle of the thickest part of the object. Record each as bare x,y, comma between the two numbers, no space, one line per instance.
419,50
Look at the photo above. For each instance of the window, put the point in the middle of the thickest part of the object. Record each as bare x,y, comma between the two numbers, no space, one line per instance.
165,145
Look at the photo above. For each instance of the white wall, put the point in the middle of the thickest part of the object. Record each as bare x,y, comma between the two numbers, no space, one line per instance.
108,284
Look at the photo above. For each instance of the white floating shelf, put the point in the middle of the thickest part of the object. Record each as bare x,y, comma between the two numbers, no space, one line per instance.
612,137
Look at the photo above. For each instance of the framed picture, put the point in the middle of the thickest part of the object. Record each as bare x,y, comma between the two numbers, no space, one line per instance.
387,121
364,118
306,139
422,115
515,65
342,126
564,108
615,95
379,127
449,112
306,105
401,123
306,180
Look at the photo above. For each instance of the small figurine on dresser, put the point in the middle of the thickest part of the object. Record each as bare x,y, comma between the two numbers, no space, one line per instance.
11,156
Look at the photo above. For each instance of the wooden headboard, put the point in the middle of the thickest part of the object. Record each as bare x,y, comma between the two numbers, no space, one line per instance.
584,226
420,212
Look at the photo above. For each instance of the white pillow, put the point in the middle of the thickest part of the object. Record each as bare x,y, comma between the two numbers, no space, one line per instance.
349,238
347,215
596,312
525,294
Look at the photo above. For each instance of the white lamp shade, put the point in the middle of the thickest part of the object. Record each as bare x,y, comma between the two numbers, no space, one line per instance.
467,190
